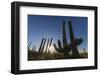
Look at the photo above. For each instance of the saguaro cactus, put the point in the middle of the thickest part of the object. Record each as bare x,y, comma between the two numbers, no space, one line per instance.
63,48
59,48
75,52
66,48
64,35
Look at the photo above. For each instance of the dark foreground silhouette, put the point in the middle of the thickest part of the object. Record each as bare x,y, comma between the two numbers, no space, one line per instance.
63,50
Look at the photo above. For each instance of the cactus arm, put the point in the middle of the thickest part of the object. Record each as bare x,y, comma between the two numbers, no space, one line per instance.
59,49
59,44
79,41
56,47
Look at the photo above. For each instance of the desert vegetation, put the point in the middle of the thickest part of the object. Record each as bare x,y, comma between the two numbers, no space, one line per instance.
63,49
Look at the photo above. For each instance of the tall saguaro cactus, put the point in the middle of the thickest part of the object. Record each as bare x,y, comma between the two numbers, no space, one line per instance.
66,48
63,48
75,52
64,35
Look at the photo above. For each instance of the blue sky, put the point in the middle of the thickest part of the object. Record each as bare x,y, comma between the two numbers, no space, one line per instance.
40,26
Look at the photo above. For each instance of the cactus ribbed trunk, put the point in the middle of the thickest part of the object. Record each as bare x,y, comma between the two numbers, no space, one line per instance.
64,35
65,46
75,53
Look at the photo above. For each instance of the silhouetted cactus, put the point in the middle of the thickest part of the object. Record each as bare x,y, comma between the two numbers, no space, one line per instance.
64,35
41,45
66,48
75,53
78,41
59,48
63,48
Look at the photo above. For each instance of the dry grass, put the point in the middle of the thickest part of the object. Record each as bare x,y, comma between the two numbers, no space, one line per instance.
33,55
